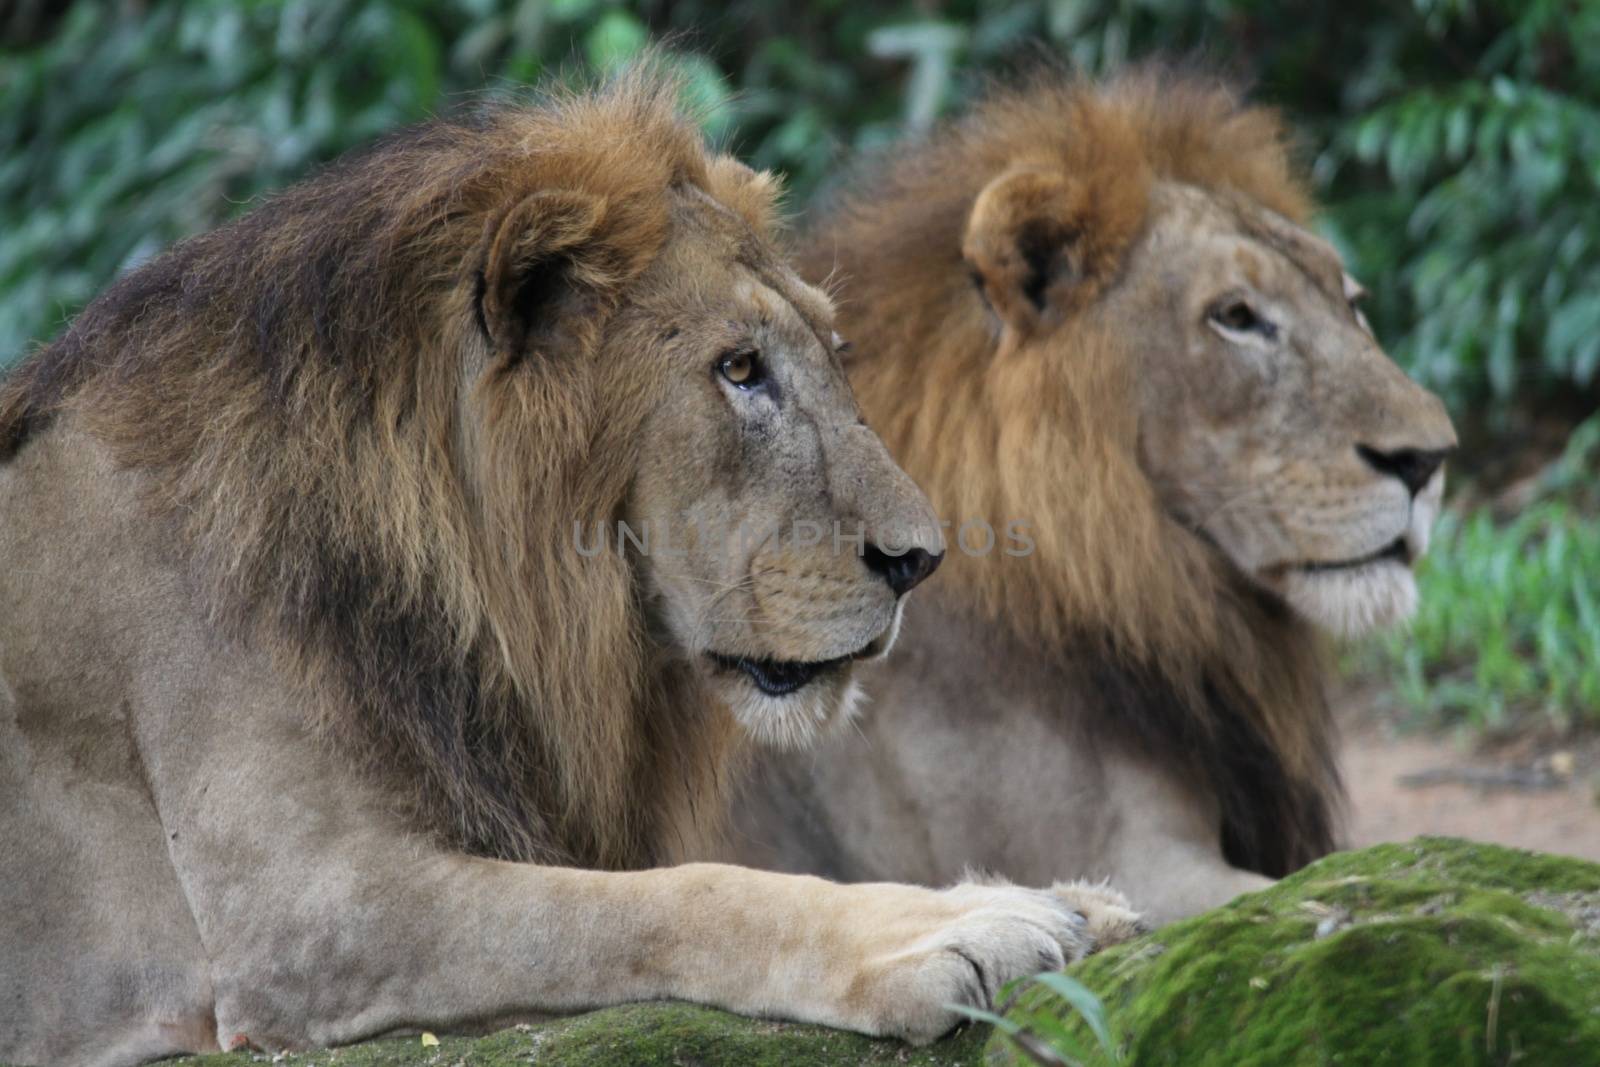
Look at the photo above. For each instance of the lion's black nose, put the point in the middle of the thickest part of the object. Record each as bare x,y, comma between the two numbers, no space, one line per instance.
1413,466
903,572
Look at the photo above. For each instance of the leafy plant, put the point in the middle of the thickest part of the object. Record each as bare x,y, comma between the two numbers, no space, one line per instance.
129,127
1509,621
1035,1028
1492,211
1453,140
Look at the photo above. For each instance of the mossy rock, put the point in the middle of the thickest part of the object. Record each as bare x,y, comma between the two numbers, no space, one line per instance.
635,1035
1439,951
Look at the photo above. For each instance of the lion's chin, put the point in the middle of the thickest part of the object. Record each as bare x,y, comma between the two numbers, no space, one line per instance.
797,719
792,705
1353,601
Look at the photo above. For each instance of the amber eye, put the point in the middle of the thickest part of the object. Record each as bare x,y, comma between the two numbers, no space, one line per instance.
742,368
1238,317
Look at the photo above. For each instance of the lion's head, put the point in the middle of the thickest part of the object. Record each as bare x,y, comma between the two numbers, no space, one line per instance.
1262,421
1096,309
1271,423
501,434
784,537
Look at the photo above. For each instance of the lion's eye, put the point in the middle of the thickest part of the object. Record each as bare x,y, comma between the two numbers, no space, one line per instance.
1236,316
741,368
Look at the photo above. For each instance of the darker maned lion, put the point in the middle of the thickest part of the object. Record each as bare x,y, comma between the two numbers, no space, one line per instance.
314,723
1097,308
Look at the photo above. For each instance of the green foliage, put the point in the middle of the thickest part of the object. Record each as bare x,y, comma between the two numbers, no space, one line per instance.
1454,140
1494,201
1509,623
127,128
120,134
1035,1031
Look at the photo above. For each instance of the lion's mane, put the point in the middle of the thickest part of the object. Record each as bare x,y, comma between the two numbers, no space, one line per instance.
1216,679
290,392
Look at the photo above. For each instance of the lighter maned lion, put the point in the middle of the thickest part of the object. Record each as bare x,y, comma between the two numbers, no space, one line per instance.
316,722
1098,309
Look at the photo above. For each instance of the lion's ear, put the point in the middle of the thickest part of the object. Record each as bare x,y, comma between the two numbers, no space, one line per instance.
544,275
1041,242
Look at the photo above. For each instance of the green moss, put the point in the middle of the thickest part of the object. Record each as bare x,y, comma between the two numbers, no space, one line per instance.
636,1035
1435,952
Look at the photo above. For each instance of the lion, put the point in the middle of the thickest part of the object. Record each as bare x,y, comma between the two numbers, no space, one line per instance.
1095,310
318,719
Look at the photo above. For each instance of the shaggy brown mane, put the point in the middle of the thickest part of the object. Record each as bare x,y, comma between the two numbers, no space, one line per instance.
294,389
1221,680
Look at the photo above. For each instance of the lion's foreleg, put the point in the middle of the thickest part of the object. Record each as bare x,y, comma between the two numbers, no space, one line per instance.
326,918
325,947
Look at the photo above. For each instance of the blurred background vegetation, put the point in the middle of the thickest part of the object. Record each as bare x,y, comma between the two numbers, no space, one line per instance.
1455,144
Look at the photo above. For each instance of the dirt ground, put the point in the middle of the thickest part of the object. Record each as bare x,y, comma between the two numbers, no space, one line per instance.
1536,793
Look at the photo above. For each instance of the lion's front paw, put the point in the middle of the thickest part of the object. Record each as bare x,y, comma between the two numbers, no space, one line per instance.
959,946
1111,919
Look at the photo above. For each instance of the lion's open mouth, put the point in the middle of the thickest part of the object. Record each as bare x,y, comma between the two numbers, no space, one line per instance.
777,678
1397,551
